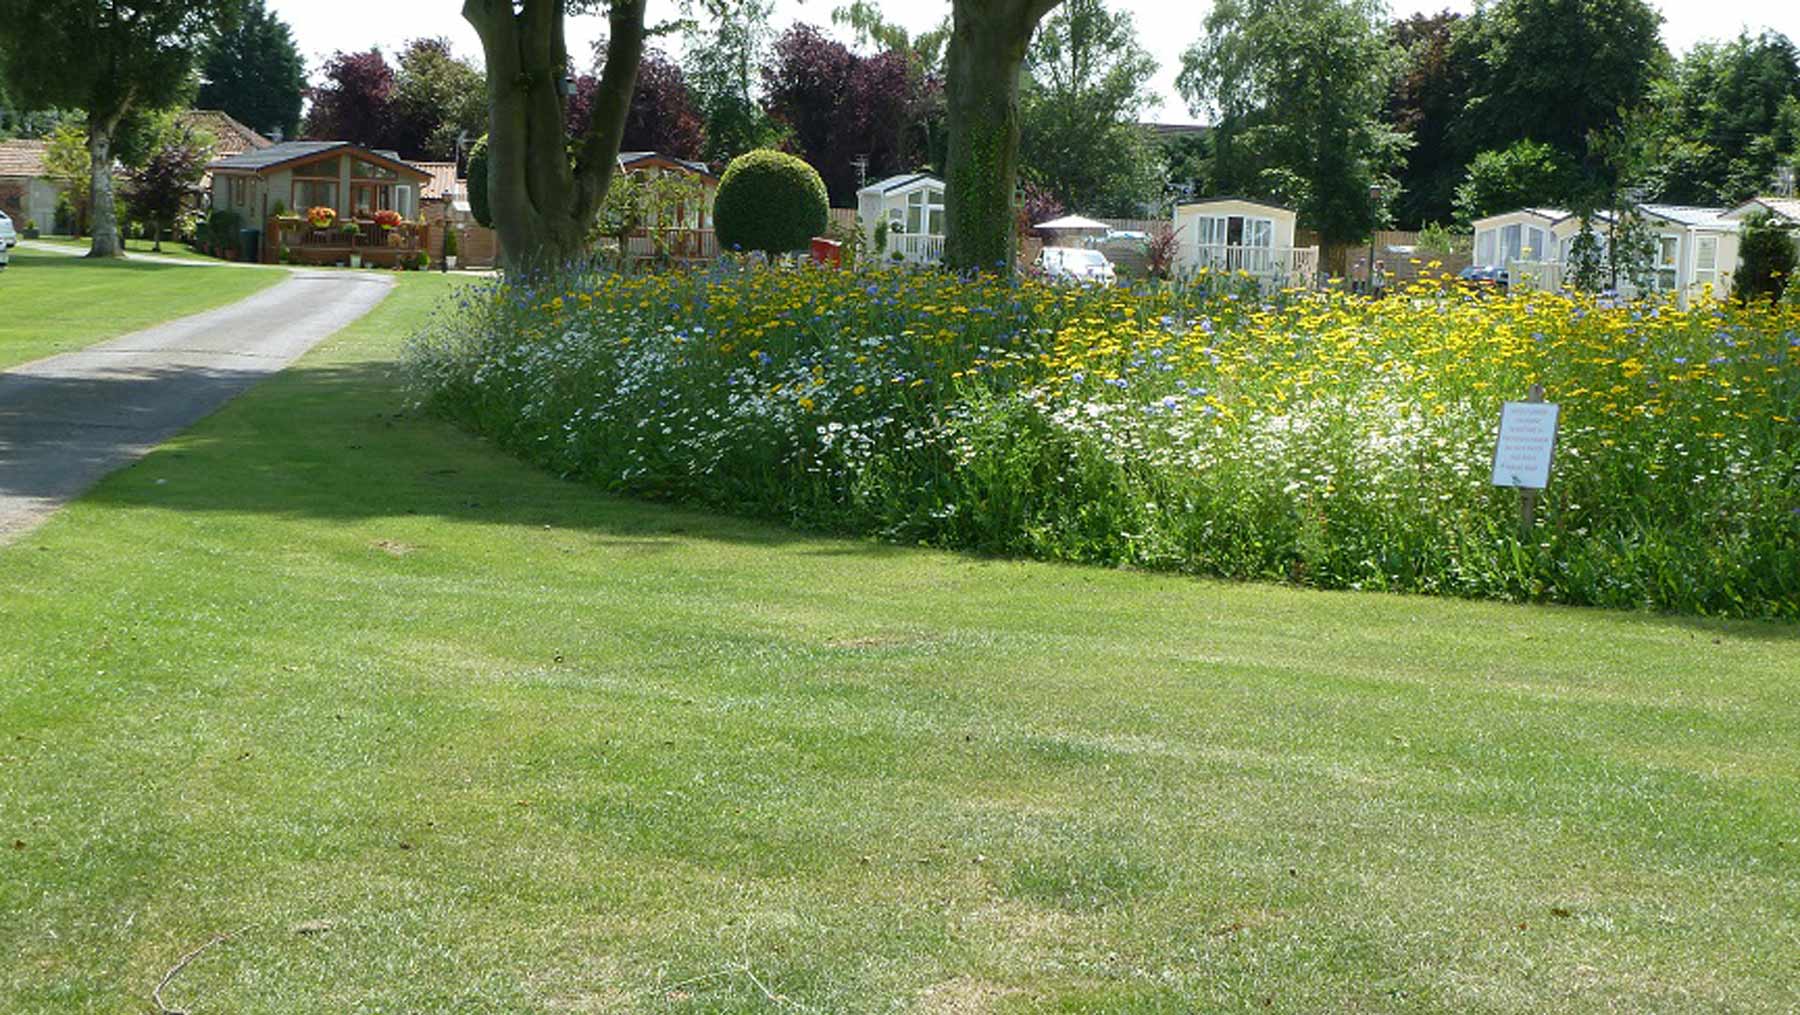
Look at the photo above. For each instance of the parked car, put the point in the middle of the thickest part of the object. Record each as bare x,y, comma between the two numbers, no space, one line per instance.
1076,264
9,237
1483,278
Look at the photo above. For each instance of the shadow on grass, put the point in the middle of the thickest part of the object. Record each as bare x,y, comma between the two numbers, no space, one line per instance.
336,443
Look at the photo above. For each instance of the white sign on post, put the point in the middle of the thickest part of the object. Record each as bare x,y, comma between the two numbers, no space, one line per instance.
1527,438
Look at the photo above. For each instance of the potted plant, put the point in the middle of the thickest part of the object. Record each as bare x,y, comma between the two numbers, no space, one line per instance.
351,231
452,247
31,229
421,260
321,216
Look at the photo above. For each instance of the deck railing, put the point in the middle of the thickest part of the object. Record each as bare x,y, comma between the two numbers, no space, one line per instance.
302,241
1275,265
677,243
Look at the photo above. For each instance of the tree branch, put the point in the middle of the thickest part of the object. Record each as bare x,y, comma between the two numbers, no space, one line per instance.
612,105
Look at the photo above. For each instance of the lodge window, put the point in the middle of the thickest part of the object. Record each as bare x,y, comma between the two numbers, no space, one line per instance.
925,212
240,191
314,194
1668,253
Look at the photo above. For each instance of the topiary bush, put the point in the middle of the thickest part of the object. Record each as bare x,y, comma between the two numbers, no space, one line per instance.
770,201
477,175
1766,258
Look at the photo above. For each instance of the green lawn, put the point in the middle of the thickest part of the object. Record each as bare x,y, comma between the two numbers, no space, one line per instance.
425,730
51,304
170,248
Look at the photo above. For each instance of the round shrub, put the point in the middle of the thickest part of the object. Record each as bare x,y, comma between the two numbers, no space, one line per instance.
477,176
770,201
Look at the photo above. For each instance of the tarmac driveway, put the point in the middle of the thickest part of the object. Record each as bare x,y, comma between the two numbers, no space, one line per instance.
68,420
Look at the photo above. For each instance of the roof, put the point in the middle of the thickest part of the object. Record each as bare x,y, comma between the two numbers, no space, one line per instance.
1232,198
23,158
1176,129
262,159
443,183
1071,224
628,159
230,136
1689,215
1548,214
898,182
1781,207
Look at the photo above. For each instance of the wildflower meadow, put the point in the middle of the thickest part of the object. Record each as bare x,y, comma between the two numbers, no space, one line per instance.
1316,438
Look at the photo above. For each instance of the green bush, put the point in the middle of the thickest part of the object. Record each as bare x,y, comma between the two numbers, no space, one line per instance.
452,246
770,201
478,184
222,232
1767,256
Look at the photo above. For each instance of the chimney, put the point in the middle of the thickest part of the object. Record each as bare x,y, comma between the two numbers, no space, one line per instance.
275,134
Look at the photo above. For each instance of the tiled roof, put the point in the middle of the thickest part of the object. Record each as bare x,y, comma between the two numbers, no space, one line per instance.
443,183
23,158
230,136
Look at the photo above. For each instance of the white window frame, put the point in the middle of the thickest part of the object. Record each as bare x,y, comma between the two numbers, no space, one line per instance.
1704,273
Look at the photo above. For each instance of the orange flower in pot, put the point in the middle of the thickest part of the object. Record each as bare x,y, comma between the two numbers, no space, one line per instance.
387,218
321,216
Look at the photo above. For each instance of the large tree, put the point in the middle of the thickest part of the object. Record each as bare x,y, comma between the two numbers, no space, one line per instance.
842,109
1299,87
355,102
253,71
721,54
988,40
437,99
108,57
1079,134
543,198
1556,71
1427,97
1730,114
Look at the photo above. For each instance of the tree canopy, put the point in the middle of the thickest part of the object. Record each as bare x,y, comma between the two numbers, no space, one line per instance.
1078,122
108,58
1298,87
253,71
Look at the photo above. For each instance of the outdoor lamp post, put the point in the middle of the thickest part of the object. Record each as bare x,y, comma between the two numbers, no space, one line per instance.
1374,207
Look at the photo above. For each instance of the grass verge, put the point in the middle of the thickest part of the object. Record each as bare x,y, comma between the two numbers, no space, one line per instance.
54,304
427,730
170,248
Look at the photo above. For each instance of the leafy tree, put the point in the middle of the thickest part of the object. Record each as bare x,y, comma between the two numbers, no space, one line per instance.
1730,114
1766,258
864,18
1078,119
109,58
1427,96
476,176
253,71
355,102
987,50
837,106
663,117
66,158
721,56
1587,266
770,201
436,98
544,188
1555,71
158,190
1526,174
1299,86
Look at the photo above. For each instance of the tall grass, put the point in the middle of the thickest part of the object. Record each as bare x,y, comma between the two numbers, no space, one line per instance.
1320,439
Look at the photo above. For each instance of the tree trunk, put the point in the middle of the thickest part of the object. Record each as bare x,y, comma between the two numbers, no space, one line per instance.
105,221
542,205
987,50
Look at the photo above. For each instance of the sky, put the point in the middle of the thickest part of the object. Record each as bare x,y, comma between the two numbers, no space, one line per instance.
1165,27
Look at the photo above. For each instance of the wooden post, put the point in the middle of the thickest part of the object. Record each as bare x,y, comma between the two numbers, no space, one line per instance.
1528,497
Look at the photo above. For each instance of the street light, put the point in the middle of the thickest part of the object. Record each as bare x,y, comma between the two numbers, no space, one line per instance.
1375,207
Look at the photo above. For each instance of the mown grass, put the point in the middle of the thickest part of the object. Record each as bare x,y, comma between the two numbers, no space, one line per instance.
133,245
427,730
51,303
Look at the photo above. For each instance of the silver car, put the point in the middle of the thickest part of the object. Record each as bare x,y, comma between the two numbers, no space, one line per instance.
9,238
1076,264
